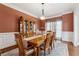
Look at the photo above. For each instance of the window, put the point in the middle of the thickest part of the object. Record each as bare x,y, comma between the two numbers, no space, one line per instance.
58,29
50,26
55,27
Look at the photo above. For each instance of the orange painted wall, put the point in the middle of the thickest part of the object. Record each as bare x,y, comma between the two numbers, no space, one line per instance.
9,19
67,22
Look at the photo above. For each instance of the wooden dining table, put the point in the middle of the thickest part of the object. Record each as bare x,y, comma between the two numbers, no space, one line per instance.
36,41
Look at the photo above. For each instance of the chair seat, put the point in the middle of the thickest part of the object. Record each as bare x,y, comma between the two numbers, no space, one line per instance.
42,48
29,51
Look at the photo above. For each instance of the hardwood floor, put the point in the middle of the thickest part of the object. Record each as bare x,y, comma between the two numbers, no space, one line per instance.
73,51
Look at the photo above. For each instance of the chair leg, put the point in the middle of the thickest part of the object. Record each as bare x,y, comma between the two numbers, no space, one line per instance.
38,51
53,45
49,51
44,52
35,52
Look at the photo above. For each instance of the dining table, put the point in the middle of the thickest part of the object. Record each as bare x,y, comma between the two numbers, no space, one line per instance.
36,41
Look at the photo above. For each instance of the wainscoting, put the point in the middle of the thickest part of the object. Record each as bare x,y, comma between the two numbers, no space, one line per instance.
67,36
7,41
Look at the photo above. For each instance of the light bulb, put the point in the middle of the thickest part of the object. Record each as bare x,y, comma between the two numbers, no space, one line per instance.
42,17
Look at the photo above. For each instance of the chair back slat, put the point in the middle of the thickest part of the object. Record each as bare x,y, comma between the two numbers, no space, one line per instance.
19,41
52,38
47,42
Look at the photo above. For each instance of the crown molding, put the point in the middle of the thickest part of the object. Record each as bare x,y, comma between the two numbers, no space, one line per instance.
67,12
16,8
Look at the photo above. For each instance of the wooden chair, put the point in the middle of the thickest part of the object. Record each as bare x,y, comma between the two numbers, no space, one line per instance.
52,40
29,34
46,45
22,49
28,45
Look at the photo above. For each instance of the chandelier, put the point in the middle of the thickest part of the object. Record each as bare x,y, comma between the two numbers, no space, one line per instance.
43,16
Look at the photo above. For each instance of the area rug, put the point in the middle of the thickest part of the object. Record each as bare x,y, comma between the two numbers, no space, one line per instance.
59,49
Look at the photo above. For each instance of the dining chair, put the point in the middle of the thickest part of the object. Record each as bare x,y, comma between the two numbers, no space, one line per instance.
46,45
52,40
29,34
23,51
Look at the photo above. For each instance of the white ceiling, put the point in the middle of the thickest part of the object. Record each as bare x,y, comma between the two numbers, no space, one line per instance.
51,9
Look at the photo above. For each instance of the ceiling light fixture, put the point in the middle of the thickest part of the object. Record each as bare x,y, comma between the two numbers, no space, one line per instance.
43,16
